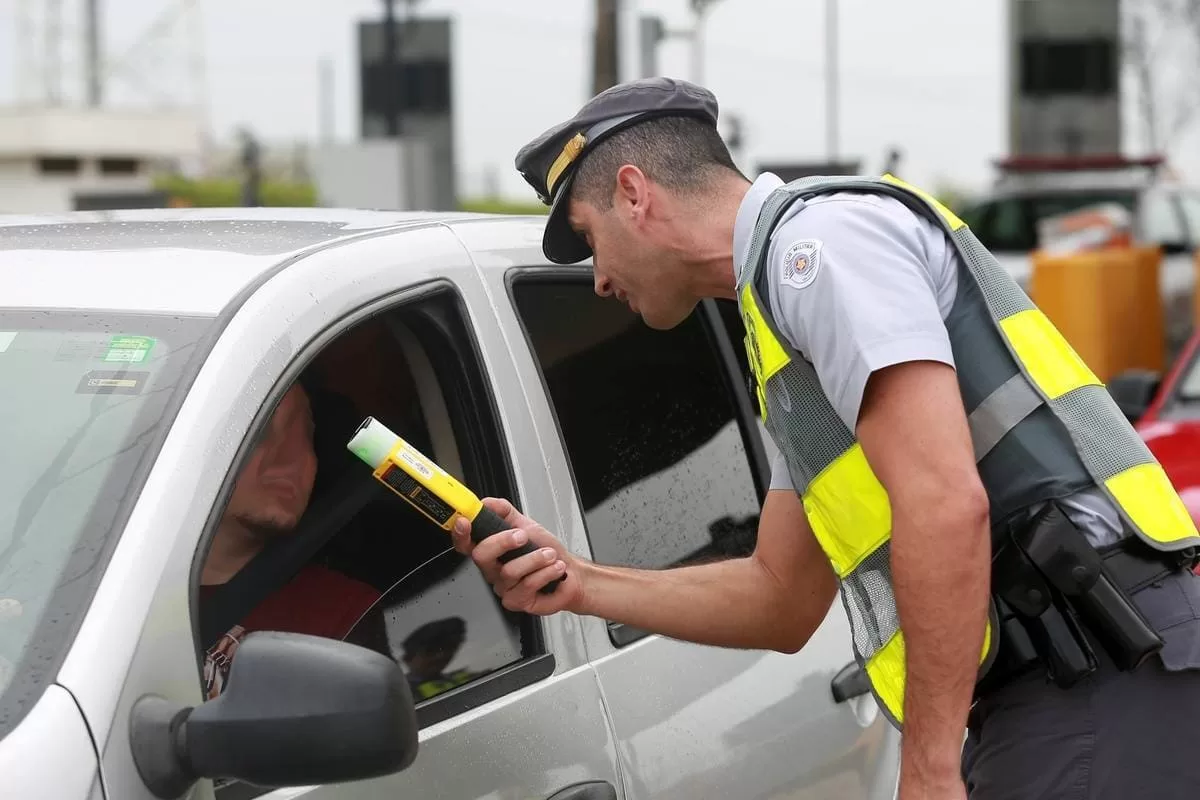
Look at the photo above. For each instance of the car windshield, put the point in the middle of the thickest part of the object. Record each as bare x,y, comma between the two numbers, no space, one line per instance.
1049,205
85,397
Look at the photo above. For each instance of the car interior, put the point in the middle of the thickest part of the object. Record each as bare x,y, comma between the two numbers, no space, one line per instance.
407,367
356,526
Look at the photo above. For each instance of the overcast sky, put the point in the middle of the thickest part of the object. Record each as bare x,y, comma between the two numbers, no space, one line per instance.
926,75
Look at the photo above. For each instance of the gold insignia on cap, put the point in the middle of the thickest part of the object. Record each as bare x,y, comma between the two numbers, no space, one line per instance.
570,152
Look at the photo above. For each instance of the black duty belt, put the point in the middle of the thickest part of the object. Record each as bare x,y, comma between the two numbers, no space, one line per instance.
1134,565
1055,595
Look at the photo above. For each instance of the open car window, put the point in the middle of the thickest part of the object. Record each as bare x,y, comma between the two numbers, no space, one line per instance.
387,577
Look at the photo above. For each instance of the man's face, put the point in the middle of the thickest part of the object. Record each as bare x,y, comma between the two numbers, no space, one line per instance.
631,258
273,488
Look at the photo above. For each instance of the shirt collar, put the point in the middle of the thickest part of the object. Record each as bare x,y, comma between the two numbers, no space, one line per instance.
747,216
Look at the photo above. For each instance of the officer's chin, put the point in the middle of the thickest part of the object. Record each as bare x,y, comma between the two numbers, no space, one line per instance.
661,319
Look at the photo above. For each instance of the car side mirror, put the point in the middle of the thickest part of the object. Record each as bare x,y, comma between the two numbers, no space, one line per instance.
296,710
1134,391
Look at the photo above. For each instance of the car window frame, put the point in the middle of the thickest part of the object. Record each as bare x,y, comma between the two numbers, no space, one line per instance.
716,327
537,661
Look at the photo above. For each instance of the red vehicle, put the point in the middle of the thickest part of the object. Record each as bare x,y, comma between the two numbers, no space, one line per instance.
1166,412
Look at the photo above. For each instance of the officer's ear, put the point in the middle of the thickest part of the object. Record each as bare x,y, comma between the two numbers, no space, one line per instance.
632,192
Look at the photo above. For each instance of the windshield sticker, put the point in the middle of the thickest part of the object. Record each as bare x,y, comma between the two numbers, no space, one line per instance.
6,338
132,349
100,382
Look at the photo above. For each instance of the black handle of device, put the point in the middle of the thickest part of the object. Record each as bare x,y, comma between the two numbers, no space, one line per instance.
487,523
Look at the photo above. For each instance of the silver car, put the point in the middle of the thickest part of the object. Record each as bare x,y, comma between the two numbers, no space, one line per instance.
141,356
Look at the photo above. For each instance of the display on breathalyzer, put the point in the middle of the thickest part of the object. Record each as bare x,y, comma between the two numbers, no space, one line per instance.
429,488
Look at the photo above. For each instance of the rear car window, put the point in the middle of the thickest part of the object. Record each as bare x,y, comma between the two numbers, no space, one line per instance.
86,397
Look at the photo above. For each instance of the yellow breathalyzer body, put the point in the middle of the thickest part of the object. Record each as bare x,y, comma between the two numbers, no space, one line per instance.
427,487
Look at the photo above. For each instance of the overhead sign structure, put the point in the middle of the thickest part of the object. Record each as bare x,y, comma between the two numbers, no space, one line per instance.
415,91
1064,77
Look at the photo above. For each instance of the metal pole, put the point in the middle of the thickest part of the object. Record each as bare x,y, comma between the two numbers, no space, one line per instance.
326,100
831,81
392,111
92,64
650,33
606,46
52,63
701,8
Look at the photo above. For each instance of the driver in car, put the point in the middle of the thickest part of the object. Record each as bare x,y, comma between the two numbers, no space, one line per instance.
268,500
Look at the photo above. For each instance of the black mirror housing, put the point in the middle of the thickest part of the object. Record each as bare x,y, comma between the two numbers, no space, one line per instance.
296,711
1134,391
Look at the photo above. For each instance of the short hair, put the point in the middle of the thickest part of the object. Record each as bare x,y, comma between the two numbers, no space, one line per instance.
681,153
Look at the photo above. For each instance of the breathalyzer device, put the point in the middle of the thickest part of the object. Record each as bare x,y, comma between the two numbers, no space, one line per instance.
429,488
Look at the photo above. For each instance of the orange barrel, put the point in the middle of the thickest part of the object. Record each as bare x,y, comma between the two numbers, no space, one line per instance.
1105,303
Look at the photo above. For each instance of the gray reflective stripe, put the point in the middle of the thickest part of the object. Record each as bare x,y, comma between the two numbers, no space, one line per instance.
1000,412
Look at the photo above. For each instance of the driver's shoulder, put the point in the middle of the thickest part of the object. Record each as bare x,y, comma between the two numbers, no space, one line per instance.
319,601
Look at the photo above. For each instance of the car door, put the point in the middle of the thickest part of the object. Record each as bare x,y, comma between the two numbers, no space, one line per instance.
529,720
658,444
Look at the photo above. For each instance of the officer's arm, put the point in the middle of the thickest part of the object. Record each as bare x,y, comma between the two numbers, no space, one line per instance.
773,599
867,311
913,431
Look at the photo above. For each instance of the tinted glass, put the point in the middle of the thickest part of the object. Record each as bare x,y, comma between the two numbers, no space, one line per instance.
85,397
1010,225
447,628
1008,229
649,424
436,616
1043,206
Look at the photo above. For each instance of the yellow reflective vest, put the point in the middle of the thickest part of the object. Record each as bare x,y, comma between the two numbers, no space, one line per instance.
1042,424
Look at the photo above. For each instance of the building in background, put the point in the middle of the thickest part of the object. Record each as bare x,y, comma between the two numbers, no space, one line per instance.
1064,77
58,159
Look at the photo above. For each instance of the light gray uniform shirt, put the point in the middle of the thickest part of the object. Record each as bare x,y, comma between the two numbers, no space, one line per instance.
858,282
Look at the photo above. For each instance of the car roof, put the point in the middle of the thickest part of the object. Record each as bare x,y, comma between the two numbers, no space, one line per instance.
174,260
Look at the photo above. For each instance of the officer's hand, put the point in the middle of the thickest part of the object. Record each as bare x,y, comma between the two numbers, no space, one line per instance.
517,582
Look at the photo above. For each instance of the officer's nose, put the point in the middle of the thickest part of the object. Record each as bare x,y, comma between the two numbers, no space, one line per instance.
603,286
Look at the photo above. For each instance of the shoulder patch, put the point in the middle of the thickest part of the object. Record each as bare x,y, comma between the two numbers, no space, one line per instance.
801,263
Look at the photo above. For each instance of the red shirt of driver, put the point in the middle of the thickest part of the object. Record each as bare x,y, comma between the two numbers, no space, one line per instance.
318,602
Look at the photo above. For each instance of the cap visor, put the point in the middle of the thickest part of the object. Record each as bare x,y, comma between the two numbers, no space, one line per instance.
561,244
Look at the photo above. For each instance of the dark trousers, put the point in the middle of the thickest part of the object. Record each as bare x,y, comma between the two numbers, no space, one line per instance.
1113,736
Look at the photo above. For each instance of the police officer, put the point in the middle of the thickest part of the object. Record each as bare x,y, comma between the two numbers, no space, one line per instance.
1014,563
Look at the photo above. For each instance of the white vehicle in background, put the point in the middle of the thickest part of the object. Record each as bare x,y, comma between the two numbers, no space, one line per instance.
1165,212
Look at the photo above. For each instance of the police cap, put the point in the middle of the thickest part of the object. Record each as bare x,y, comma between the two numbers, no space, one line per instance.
550,161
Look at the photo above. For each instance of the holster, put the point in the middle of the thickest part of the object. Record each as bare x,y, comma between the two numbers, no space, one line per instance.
1052,589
